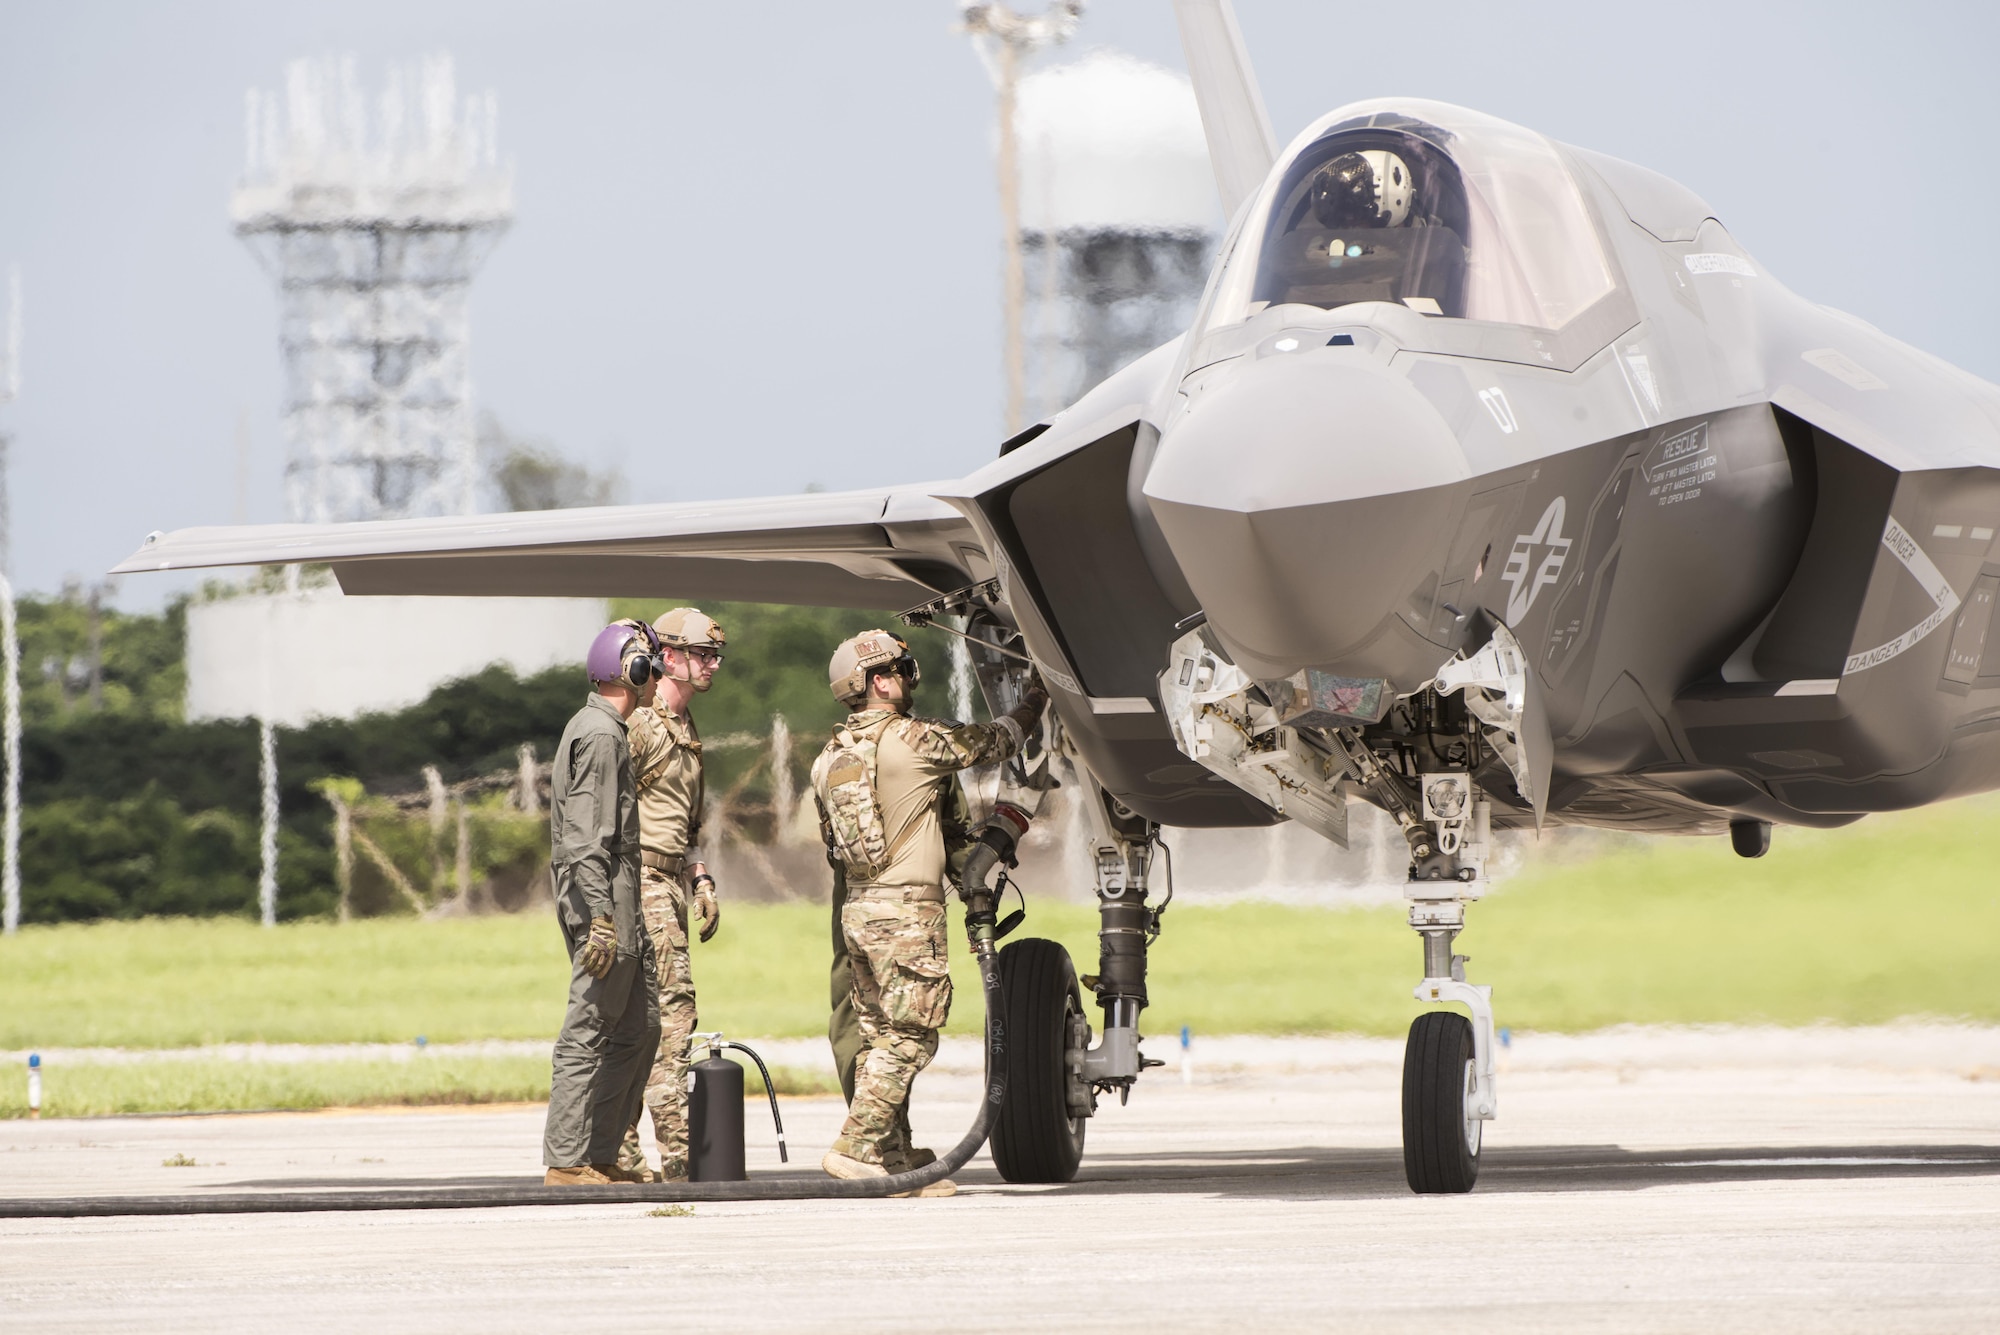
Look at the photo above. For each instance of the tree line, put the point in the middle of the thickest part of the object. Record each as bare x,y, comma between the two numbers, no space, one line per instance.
130,810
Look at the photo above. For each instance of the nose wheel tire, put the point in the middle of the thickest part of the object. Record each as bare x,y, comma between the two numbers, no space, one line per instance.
1440,1133
1034,1138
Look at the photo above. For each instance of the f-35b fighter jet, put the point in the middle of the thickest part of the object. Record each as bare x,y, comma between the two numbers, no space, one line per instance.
1494,485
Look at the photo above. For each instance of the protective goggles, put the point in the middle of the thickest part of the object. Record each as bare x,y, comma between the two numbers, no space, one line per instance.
905,667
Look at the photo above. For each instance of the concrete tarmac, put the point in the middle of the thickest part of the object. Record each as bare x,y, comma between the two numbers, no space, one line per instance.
1746,1190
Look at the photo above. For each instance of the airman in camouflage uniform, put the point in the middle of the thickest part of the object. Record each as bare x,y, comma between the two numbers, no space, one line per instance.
843,1028
887,796
667,769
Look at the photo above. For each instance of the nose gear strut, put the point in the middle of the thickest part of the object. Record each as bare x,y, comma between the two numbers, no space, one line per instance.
1449,1086
1298,745
1123,858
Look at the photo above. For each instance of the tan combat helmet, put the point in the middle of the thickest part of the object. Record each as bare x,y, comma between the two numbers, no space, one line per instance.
847,674
689,628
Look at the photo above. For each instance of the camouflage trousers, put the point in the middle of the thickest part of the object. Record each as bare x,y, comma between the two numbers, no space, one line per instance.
663,904
902,996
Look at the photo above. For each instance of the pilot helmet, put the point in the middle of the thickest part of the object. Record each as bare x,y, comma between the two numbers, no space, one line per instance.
625,651
870,651
1369,188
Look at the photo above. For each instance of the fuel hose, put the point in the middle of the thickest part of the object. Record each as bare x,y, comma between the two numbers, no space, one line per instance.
788,1188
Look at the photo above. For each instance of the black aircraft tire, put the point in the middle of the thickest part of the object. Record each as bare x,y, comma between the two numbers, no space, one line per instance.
1440,1145
1034,1138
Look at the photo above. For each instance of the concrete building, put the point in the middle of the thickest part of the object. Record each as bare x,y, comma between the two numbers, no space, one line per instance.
292,657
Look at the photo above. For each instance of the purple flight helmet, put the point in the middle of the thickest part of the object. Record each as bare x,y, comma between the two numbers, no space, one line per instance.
606,659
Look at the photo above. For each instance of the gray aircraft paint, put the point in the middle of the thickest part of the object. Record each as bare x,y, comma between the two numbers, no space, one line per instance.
1767,532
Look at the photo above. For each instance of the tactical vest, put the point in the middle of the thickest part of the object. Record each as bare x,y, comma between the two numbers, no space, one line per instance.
851,822
646,778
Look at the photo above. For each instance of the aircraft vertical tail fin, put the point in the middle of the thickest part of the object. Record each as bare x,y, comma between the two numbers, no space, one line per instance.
1241,146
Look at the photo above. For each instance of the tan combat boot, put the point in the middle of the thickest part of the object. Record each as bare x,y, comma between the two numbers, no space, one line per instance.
901,1160
845,1166
632,1162
944,1186
619,1173
905,1158
582,1175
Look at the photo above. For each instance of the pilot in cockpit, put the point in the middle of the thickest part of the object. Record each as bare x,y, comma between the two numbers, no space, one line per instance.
1371,189
1361,231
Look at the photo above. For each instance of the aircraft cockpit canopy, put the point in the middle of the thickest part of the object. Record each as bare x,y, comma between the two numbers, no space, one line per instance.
1438,209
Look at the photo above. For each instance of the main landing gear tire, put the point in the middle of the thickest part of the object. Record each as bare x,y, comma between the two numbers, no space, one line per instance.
1035,1139
1440,1134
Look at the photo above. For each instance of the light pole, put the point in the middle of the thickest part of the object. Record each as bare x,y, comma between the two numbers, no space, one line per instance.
10,652
1002,38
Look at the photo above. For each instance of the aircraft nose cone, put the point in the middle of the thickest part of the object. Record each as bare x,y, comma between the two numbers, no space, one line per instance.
1307,501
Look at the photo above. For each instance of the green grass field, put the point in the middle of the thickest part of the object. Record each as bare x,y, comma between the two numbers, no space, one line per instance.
199,1085
1892,918
224,1086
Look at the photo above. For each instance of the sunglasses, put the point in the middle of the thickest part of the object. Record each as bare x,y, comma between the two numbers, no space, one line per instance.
705,655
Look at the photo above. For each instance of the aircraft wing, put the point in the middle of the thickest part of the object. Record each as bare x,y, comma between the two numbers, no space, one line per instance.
882,549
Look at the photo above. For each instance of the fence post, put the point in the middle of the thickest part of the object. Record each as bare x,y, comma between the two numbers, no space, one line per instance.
267,878
783,794
343,849
462,865
529,793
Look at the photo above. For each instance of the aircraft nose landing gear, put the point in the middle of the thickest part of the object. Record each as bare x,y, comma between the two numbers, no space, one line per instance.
1448,1085
1298,749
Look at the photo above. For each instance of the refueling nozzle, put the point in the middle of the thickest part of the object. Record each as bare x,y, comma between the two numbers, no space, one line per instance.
994,841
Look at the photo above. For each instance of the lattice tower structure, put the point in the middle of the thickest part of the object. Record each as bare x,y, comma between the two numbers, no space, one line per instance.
373,212
1119,219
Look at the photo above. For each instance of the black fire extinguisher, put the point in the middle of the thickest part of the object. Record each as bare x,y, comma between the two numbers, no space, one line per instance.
715,1113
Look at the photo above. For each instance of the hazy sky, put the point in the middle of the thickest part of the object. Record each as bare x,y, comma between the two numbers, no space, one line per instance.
756,243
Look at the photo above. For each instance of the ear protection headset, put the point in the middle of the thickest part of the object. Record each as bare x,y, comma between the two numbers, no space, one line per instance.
640,660
627,652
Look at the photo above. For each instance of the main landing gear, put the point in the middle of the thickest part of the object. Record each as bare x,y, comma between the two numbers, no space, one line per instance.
1054,1073
1038,1134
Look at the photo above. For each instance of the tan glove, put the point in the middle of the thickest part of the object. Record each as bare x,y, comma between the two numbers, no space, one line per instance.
600,948
705,906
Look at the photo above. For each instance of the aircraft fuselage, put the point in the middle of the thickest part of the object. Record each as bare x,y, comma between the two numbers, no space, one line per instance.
1746,542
